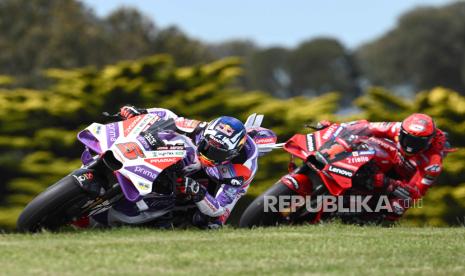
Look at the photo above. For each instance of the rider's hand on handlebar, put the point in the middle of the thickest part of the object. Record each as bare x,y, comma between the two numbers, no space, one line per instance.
129,111
190,187
392,187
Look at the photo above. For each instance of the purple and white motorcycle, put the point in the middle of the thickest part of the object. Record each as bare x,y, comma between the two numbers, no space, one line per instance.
124,162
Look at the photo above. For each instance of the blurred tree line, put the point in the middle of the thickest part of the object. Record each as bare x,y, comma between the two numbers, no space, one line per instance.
38,127
40,34
424,50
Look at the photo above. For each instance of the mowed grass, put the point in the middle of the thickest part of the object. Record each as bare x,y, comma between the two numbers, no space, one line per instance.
318,249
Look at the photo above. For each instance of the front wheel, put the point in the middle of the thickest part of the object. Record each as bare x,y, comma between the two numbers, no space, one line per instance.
256,215
54,207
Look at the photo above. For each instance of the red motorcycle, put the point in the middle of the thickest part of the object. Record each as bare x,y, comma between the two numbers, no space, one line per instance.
338,161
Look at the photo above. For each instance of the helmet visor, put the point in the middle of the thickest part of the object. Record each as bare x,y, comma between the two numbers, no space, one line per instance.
214,153
413,144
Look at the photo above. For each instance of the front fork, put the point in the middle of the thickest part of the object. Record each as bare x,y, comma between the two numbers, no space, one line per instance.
98,180
305,182
110,195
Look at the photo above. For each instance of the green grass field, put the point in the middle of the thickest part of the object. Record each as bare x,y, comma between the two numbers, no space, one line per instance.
320,249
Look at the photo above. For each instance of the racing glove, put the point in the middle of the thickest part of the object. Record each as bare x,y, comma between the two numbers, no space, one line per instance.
392,187
129,111
192,188
399,195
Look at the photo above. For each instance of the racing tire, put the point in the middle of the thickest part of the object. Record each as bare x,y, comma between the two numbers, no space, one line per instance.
54,207
255,214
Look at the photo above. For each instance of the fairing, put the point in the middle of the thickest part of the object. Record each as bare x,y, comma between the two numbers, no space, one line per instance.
335,155
141,164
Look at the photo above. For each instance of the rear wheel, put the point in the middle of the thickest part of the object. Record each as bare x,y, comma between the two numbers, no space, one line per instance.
255,214
54,207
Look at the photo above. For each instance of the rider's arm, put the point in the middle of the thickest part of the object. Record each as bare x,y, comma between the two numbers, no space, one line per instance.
184,125
129,111
229,193
378,129
431,167
163,113
235,179
387,130
425,176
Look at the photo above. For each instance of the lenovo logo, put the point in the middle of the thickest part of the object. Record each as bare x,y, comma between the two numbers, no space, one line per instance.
310,142
340,171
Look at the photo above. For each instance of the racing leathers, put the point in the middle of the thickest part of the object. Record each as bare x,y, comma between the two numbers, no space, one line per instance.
232,178
414,174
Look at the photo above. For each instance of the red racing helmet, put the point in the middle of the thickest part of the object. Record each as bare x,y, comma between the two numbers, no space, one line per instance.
416,133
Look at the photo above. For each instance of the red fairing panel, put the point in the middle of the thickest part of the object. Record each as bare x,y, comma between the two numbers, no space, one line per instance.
297,146
302,145
342,173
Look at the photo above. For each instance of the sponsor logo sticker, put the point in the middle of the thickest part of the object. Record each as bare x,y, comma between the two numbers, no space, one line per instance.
130,150
359,159
261,141
364,152
151,139
162,162
84,177
143,142
143,171
416,127
340,171
310,142
130,124
225,129
433,168
427,181
112,133
143,186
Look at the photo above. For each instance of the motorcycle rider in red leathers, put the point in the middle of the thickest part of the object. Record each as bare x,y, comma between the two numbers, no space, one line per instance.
421,147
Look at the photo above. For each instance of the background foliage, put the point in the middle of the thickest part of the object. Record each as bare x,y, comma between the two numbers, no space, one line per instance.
38,127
